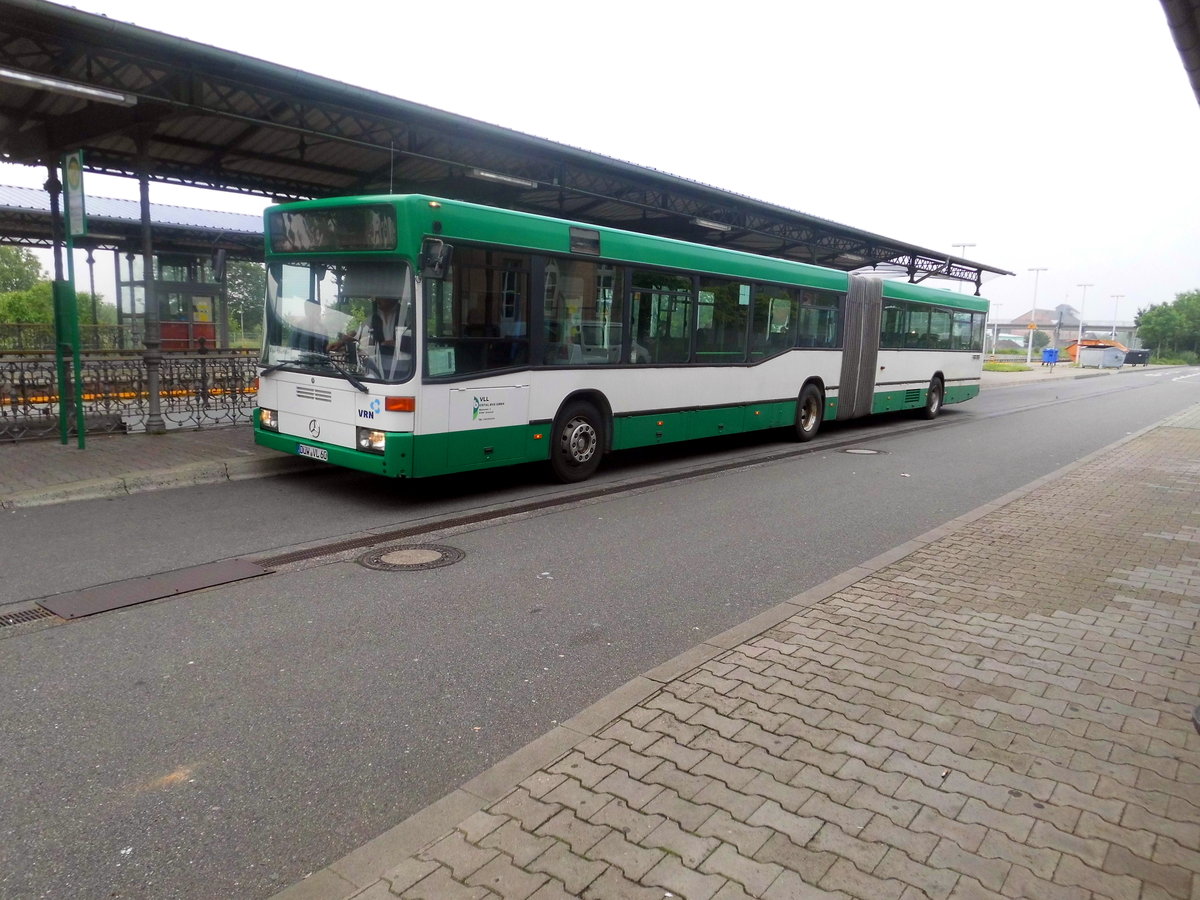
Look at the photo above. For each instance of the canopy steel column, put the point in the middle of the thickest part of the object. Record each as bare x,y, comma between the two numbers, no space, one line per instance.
151,338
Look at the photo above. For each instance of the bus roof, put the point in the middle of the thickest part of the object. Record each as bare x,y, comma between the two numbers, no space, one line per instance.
460,220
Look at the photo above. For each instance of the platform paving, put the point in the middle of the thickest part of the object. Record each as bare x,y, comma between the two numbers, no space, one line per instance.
37,473
1001,708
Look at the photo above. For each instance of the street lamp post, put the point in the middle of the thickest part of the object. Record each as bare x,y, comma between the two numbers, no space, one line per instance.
963,252
1116,299
1079,336
1033,316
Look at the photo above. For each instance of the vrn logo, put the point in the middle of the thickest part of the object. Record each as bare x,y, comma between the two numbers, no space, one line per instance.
376,406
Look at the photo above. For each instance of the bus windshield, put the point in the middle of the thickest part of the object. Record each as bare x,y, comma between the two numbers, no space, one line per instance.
351,319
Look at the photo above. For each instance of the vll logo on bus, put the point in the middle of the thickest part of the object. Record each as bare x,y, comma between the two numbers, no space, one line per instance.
475,408
376,406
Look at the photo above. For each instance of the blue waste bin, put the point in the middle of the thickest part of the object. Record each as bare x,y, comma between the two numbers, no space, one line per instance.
1049,356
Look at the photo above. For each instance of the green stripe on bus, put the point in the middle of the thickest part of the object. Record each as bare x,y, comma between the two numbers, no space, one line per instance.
916,398
959,393
686,425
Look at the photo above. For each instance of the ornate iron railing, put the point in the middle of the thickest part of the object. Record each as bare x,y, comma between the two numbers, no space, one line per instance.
197,390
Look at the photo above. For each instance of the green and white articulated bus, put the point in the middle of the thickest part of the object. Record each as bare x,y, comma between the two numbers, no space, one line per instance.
410,336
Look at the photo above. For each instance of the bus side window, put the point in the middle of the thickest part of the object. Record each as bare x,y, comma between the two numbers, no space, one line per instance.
662,317
819,320
583,309
479,313
775,316
724,307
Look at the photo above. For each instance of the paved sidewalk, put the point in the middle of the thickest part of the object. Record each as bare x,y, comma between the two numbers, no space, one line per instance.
1000,708
35,473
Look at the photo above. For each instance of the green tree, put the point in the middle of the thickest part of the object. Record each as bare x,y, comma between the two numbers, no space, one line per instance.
32,304
1188,307
36,305
1040,340
1165,328
246,290
20,270
106,313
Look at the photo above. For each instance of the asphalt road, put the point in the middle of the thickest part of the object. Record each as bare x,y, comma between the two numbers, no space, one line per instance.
227,742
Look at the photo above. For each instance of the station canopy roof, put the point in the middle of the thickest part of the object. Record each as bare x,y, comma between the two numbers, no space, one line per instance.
117,224
134,99
1183,18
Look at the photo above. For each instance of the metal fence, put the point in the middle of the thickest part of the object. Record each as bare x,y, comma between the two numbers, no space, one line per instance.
197,390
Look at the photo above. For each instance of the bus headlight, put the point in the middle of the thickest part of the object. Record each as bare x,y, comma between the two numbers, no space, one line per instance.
268,419
371,441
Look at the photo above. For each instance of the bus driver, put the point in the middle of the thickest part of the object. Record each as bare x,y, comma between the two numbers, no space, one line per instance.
374,342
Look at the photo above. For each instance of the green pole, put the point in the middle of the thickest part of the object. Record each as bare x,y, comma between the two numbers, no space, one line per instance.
60,363
71,322
68,305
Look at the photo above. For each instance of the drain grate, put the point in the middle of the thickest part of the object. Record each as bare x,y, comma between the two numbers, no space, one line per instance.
24,616
411,557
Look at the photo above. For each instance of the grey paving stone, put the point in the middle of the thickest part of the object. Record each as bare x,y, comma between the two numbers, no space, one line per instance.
945,726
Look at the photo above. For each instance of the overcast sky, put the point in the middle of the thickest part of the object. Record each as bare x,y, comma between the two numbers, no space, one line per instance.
1048,133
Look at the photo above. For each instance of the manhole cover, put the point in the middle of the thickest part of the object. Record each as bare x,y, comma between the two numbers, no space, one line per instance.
411,557
862,451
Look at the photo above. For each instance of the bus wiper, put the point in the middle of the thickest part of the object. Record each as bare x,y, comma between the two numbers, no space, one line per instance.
298,361
275,368
345,373
310,359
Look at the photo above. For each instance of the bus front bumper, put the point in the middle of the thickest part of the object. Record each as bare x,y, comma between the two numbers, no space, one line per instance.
394,462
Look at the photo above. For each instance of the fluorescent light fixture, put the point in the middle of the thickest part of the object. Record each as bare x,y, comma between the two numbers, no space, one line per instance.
711,225
485,175
70,88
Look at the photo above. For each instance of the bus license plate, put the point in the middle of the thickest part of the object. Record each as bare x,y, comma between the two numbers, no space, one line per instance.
313,452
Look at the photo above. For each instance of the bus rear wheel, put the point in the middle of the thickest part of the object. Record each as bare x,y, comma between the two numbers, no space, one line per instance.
578,442
933,399
809,411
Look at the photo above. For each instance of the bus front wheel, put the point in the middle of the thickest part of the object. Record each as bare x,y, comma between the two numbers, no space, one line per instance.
809,411
578,442
933,399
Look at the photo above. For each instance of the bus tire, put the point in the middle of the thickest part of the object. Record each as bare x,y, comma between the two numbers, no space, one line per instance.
578,442
933,399
810,408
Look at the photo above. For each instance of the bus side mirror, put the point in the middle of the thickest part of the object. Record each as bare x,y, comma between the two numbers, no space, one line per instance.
435,259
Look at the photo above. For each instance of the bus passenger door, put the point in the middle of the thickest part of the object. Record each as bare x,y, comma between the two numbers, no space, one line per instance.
860,359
